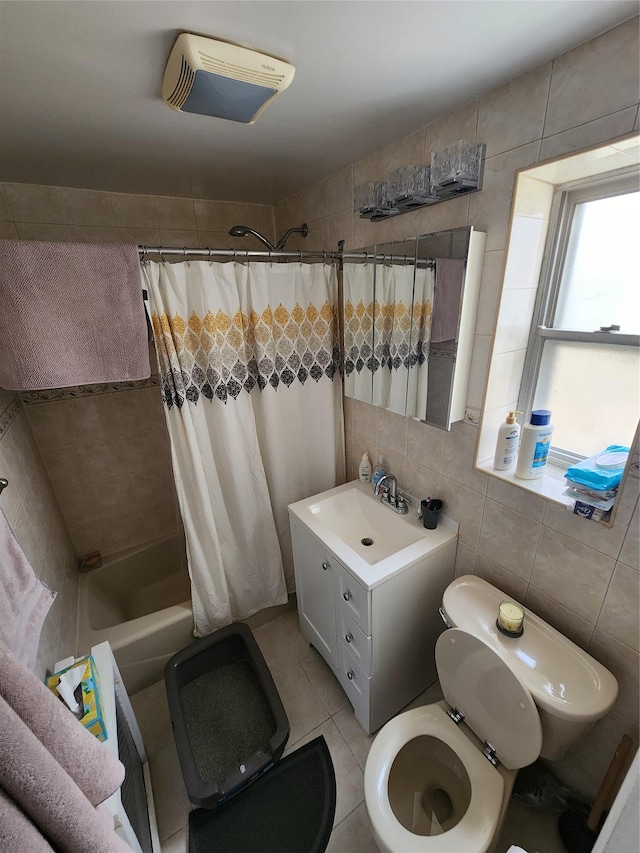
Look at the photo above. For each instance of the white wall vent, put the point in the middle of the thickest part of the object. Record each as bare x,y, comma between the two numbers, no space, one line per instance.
217,78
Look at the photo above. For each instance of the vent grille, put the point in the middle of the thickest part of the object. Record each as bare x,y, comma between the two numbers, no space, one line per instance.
133,791
240,72
183,86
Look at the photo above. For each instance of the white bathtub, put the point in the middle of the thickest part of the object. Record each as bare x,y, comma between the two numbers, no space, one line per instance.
139,600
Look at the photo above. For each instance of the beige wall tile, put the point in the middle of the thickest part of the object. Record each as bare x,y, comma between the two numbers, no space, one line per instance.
8,231
179,239
34,231
501,578
92,234
139,236
409,150
608,540
175,213
575,576
465,560
365,420
629,553
440,217
459,124
340,191
490,291
623,663
107,457
80,504
32,539
589,134
161,519
118,495
392,432
133,211
139,409
503,123
425,445
86,207
92,536
574,627
53,424
509,538
34,203
619,614
489,209
459,450
96,416
340,227
128,530
466,507
154,486
421,482
516,499
610,64
145,449
5,212
68,466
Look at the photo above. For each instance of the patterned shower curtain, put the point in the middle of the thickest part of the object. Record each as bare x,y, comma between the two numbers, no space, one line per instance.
358,330
249,364
402,325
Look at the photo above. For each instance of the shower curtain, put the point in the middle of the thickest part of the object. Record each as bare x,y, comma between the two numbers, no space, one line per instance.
402,323
357,284
249,363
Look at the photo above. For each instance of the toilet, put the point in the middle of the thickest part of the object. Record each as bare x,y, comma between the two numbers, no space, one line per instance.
438,778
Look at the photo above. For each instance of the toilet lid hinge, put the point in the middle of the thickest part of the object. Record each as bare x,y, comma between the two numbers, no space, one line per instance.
489,753
456,715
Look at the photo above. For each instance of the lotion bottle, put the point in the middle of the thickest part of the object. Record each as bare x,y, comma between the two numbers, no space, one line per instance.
534,447
507,444
364,472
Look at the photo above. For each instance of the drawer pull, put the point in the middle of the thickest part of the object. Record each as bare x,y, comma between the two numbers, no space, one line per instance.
350,675
326,565
348,637
346,595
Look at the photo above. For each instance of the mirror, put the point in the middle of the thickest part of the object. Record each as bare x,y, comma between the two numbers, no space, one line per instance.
409,312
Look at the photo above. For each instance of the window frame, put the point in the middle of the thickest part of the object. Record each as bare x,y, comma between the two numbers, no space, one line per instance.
565,199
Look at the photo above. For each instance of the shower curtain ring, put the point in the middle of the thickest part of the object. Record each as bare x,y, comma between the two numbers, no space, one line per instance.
184,251
209,253
162,260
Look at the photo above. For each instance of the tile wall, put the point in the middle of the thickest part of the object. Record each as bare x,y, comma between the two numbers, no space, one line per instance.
581,577
32,511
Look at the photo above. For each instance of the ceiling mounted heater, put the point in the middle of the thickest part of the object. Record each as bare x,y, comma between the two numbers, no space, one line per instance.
217,78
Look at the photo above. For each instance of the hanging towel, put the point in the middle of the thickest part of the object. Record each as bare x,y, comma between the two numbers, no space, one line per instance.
24,600
72,314
53,771
446,303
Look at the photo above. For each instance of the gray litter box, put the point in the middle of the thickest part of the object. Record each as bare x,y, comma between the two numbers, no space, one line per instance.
229,723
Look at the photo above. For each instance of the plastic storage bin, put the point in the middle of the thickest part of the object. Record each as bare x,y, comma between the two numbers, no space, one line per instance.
229,723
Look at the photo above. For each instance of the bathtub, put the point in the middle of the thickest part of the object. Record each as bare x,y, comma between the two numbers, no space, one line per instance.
139,600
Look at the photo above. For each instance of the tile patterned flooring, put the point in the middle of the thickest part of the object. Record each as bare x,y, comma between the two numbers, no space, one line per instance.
316,705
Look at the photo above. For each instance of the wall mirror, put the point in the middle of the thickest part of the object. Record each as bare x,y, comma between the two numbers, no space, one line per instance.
409,318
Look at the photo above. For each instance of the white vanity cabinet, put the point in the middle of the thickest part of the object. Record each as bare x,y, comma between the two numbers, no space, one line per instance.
377,633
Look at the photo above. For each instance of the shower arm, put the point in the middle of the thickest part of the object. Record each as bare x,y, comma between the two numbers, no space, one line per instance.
304,230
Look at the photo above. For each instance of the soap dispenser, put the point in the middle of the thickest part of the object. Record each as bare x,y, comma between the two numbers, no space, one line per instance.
507,444
364,471
378,471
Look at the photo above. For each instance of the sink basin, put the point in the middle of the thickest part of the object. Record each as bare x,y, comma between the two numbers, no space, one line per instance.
373,531
371,539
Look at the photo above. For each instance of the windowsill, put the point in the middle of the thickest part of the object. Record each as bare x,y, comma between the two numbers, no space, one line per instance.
550,487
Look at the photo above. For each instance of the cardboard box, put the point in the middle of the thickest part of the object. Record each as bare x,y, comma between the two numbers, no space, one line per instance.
93,716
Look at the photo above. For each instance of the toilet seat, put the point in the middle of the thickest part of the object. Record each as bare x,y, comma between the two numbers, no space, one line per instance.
475,829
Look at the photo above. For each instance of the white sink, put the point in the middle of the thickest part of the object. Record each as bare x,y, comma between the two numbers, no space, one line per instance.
347,517
373,531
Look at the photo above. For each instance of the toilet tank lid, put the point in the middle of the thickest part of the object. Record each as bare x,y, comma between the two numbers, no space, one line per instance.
562,678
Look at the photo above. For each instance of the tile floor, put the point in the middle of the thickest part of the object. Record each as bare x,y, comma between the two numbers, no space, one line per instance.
315,704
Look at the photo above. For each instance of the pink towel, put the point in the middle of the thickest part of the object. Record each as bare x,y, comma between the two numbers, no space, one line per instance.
53,772
24,600
446,301
72,314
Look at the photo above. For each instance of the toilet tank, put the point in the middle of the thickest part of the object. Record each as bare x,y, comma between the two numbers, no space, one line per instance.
570,688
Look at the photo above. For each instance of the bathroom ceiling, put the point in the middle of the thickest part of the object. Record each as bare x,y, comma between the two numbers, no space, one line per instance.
80,85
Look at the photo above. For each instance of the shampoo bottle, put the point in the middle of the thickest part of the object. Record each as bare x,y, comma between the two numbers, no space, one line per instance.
507,444
378,471
534,447
364,471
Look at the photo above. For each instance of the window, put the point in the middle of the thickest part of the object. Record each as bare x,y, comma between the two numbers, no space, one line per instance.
583,361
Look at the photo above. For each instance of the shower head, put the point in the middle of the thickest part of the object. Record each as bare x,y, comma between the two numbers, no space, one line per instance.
243,230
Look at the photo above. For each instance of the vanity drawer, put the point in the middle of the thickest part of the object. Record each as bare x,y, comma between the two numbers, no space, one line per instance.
354,639
355,684
354,598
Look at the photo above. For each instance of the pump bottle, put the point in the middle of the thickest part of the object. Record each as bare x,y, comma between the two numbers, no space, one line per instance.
507,444
364,471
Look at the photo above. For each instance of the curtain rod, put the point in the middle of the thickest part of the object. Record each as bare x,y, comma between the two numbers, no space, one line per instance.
207,254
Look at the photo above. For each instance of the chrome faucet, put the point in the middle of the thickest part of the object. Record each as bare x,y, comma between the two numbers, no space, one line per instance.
387,488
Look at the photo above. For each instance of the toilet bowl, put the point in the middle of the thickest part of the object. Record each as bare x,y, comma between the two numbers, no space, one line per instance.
438,778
